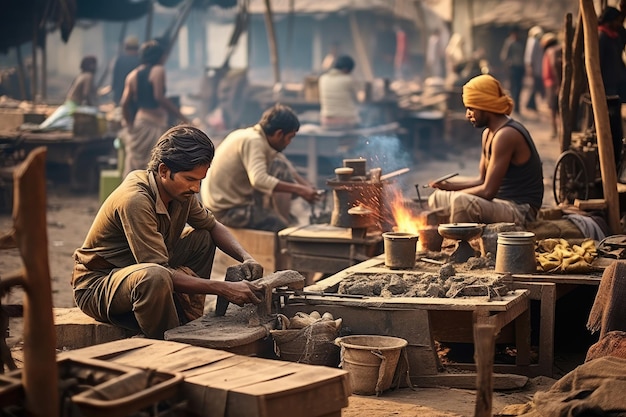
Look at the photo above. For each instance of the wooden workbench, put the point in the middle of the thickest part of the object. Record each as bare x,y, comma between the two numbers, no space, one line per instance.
76,152
411,318
546,289
314,141
327,249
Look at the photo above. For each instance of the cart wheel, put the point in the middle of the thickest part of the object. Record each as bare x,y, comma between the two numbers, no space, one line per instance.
570,178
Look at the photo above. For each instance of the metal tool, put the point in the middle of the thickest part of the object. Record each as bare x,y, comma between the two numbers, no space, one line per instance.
268,283
432,261
394,174
419,198
323,216
318,293
441,179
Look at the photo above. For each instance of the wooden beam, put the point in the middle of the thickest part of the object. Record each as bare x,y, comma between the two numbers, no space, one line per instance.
361,51
579,83
271,39
601,115
566,121
484,342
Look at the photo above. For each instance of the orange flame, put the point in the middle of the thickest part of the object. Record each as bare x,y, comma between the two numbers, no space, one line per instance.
404,218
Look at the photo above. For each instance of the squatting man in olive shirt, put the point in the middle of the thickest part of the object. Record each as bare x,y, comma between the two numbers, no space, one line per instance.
146,262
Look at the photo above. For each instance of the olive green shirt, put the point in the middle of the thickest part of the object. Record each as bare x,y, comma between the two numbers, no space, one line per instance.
240,166
134,226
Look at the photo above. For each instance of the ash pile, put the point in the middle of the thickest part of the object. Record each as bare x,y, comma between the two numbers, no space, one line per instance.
444,283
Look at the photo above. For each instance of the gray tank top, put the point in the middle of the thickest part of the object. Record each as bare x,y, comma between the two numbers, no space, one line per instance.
523,184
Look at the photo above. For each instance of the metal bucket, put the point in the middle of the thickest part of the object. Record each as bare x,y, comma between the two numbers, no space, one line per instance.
371,361
400,249
516,253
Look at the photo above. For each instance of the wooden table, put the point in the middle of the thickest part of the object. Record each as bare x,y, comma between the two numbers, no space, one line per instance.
315,141
325,248
547,289
412,318
79,153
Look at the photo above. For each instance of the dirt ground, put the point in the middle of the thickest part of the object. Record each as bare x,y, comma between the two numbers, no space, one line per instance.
70,216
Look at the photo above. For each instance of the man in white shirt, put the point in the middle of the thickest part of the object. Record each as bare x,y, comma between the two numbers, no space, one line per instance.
338,95
249,170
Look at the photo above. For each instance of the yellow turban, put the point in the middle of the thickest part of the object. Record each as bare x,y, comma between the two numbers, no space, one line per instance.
484,92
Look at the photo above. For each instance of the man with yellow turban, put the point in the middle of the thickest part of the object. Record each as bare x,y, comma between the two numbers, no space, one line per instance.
509,187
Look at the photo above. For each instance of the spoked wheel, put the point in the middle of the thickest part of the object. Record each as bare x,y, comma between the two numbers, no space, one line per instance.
570,178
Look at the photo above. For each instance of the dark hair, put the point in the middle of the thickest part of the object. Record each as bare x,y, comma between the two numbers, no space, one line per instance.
609,14
88,63
344,62
151,52
182,148
279,117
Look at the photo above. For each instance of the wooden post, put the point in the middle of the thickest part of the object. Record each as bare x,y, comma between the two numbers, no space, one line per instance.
579,83
601,115
484,351
271,39
44,69
21,74
361,51
33,71
149,20
29,219
566,86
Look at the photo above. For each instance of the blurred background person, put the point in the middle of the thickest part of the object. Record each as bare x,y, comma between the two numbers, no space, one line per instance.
83,89
533,56
145,107
551,72
512,55
251,183
338,95
123,65
329,59
82,92
435,55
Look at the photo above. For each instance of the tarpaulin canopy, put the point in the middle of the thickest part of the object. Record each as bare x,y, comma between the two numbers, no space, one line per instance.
22,20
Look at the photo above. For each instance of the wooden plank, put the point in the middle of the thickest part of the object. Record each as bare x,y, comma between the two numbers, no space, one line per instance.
591,204
484,342
420,303
149,356
468,381
107,350
192,357
298,394
545,293
215,366
325,233
580,279
320,264
245,372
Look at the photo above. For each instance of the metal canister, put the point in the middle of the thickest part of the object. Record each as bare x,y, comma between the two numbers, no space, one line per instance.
516,253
